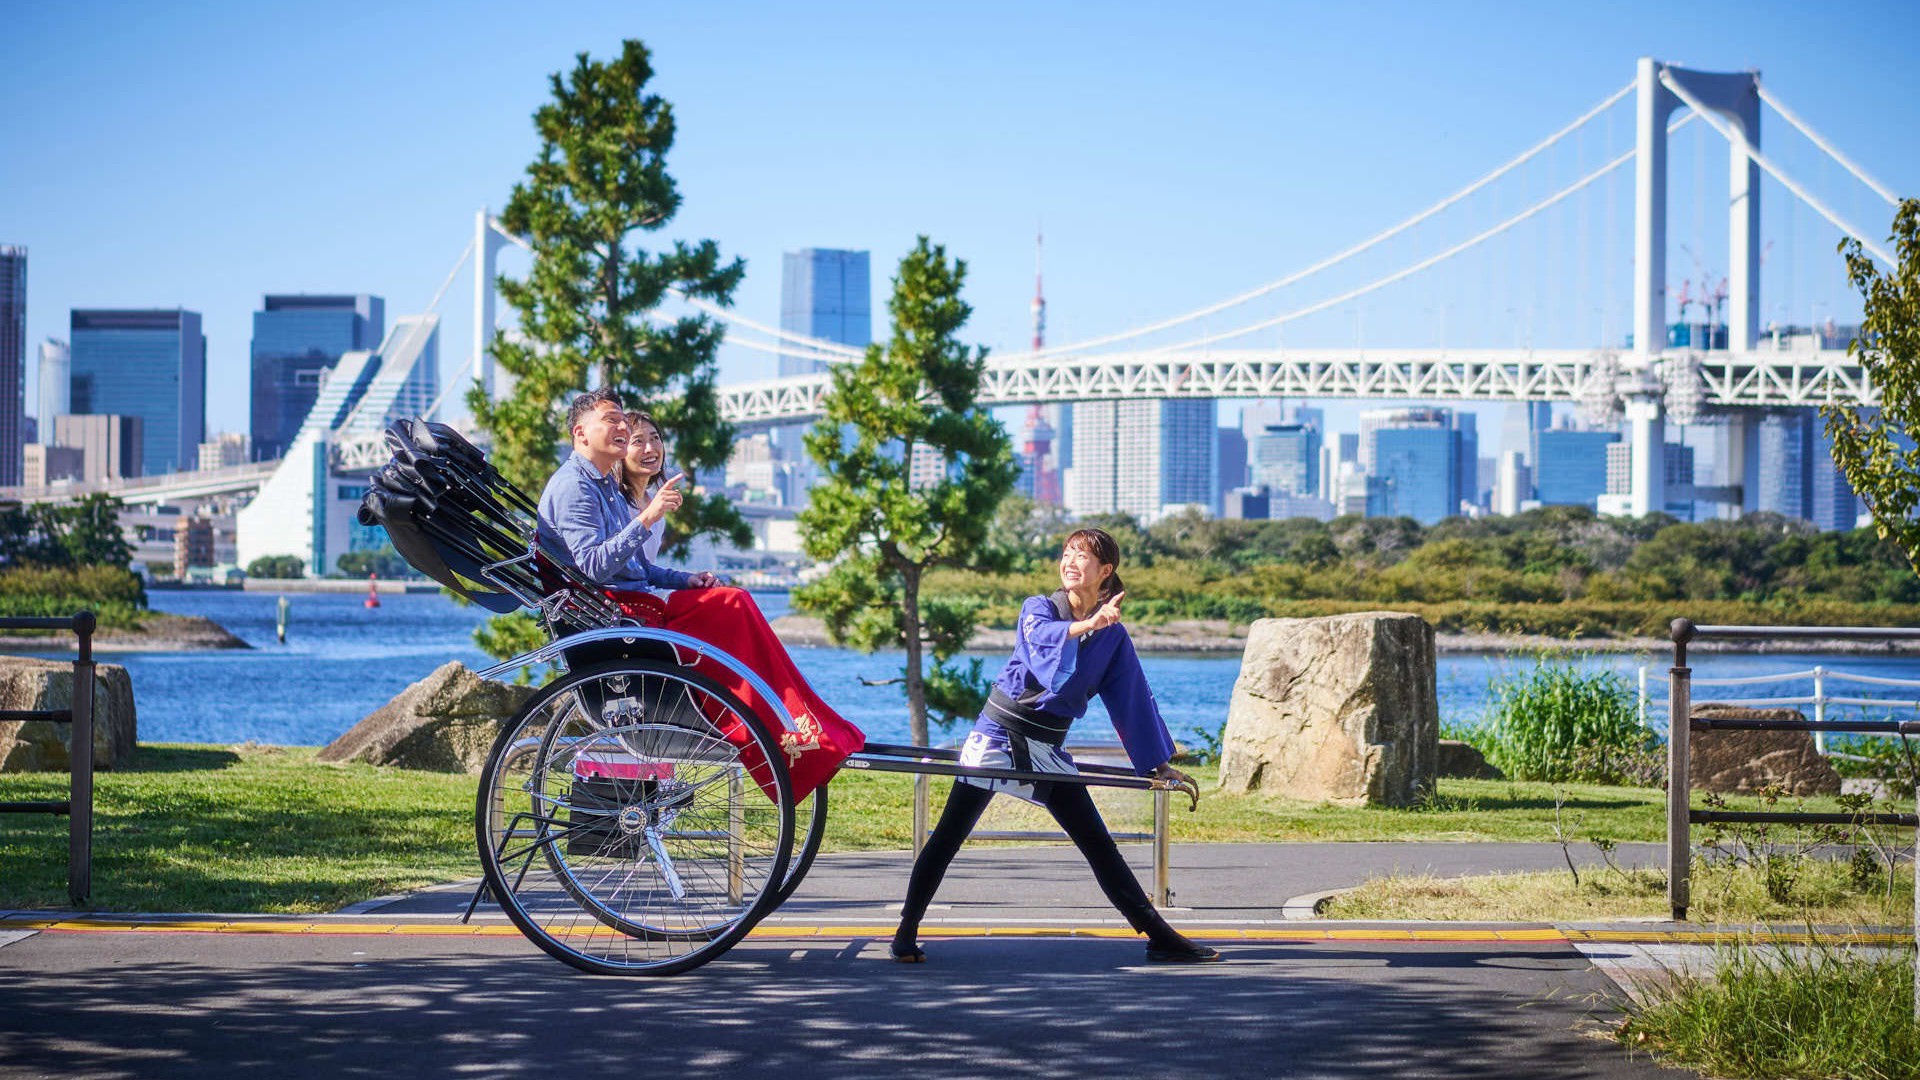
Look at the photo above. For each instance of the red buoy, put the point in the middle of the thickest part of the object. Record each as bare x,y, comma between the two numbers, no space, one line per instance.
373,591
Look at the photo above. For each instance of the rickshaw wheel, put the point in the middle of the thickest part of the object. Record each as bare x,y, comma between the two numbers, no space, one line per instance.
810,827
635,818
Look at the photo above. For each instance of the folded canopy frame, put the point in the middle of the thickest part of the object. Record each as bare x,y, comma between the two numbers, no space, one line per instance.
455,518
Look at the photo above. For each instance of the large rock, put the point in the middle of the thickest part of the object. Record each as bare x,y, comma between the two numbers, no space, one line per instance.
1463,759
1741,762
1338,709
38,746
445,722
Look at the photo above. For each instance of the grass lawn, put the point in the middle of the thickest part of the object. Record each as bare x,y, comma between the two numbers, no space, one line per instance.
251,828
256,828
1822,894
1766,1012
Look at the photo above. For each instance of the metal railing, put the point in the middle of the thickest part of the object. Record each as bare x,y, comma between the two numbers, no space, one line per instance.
78,805
1681,723
1819,699
1161,891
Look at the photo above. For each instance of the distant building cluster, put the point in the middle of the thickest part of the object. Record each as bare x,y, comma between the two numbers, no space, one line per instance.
123,397
1151,458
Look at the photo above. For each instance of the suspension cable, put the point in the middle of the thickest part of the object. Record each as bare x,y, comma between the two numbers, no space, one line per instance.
1349,253
1430,261
762,346
835,351
432,306
1739,142
1433,260
1831,151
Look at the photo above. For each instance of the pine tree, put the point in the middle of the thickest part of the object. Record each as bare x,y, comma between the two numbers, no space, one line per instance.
912,399
601,178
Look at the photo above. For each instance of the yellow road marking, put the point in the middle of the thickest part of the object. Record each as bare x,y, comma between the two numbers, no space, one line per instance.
777,932
1544,934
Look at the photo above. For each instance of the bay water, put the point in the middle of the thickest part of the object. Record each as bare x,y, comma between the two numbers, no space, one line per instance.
342,661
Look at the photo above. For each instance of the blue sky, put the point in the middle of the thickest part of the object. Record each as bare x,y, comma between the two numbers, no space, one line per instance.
202,155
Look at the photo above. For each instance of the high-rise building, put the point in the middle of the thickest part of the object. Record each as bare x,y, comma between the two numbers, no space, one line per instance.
1679,480
1416,472
1786,463
1374,420
1835,505
192,545
1257,416
297,339
46,466
13,362
1281,506
1513,483
150,364
1092,482
1144,457
1286,458
224,451
1174,461
1570,467
1467,424
1245,504
1233,461
754,474
56,385
110,444
1524,420
1349,449
1798,477
825,293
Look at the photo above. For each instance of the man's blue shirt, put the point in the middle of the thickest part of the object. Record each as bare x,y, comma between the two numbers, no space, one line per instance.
584,515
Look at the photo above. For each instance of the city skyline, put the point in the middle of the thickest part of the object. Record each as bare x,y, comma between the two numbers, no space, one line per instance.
1203,89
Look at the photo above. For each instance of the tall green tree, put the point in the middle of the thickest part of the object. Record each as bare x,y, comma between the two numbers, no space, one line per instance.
1876,448
84,532
598,184
912,400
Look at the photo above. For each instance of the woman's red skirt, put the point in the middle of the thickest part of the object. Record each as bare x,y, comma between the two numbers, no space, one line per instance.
729,619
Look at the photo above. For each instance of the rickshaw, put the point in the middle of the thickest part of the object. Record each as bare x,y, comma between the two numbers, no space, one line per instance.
634,816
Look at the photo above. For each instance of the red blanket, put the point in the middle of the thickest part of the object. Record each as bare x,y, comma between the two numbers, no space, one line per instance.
729,619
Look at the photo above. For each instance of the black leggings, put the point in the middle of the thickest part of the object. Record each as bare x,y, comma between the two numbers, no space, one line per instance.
1073,808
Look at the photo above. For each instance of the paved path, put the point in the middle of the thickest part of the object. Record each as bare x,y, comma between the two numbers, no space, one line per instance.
1030,976
1213,884
199,1005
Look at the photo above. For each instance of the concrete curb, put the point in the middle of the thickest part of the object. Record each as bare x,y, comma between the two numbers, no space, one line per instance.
1307,905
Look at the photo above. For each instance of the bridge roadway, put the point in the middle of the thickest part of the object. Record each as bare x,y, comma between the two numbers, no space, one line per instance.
1688,385
1761,379
155,490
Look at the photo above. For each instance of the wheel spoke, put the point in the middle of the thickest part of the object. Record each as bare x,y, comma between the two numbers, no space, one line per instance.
648,826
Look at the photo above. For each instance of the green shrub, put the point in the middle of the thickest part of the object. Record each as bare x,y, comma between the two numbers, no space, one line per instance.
113,594
1558,722
1890,760
276,567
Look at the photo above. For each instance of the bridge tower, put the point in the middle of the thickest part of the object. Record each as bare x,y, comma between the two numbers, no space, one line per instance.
487,239
1662,88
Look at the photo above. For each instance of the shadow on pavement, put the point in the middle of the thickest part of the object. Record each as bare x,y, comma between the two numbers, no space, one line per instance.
348,1007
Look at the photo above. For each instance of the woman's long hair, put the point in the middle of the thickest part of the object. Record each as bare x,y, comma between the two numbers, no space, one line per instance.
639,490
1105,550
